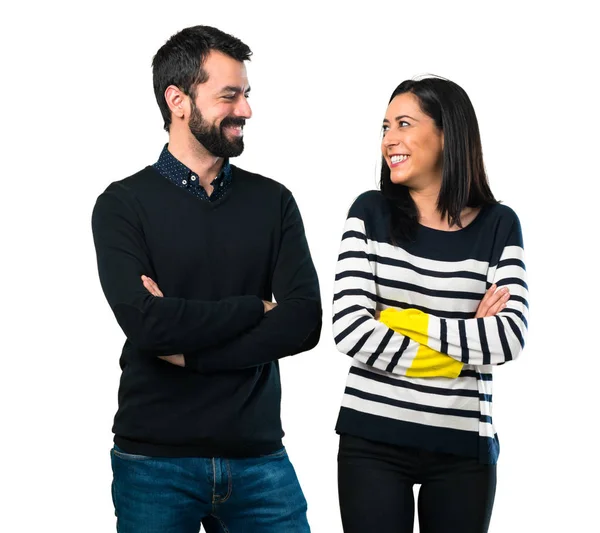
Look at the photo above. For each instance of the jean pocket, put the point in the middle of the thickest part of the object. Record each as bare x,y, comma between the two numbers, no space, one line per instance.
117,452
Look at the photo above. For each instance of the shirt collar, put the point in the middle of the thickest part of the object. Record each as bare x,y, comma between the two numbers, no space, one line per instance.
174,170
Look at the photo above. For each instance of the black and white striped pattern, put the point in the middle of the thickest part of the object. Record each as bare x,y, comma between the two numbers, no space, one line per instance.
444,274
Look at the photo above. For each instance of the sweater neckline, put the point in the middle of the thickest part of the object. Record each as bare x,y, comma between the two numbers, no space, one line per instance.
476,221
202,203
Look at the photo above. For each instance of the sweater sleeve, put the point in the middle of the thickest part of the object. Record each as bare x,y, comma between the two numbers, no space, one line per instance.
478,341
294,325
355,330
156,325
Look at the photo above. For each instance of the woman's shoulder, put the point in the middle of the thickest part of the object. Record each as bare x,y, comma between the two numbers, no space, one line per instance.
368,204
501,214
503,211
504,222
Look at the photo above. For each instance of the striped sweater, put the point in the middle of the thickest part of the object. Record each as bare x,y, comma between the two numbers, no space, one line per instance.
421,375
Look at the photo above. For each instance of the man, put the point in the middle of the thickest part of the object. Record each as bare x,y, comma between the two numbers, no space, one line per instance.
198,430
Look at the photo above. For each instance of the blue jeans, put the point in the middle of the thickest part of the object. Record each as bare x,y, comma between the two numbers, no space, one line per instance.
176,495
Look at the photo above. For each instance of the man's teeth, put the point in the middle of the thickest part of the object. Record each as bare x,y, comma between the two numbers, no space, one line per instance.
399,158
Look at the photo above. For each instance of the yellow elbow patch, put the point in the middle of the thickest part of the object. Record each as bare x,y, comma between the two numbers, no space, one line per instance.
410,322
428,362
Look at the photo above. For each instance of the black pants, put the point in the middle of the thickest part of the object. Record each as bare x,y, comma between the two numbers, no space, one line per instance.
375,484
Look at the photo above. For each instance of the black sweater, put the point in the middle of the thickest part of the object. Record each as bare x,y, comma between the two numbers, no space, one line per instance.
215,262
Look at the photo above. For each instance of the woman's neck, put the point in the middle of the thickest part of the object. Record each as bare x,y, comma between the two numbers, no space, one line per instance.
426,201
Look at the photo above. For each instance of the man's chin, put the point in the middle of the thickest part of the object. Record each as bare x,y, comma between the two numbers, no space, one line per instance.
235,149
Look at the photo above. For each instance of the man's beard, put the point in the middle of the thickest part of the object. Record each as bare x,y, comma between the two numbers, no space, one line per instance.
213,138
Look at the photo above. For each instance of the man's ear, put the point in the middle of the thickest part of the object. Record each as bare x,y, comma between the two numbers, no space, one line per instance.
176,100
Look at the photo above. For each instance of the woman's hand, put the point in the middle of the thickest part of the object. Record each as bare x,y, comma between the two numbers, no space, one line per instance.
493,301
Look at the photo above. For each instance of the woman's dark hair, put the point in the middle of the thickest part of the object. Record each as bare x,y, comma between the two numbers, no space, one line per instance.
179,61
464,181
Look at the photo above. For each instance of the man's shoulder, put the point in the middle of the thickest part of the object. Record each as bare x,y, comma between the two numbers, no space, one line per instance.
127,187
135,180
252,179
124,192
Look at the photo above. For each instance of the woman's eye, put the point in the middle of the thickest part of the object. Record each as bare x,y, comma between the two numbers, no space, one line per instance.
403,123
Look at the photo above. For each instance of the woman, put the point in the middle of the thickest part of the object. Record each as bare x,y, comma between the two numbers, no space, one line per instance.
430,293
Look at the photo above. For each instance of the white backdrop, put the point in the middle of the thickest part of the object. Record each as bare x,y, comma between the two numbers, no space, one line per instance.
79,112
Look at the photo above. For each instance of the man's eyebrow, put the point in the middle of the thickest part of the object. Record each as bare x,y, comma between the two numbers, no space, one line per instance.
234,89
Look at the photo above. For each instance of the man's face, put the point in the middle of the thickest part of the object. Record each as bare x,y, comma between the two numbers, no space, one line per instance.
220,107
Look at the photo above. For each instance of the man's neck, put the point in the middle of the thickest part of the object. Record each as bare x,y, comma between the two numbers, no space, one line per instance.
194,156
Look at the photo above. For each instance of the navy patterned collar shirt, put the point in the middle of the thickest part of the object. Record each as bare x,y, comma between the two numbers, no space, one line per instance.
174,170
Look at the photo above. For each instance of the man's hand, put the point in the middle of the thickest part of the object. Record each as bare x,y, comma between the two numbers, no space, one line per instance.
269,306
151,286
493,301
177,360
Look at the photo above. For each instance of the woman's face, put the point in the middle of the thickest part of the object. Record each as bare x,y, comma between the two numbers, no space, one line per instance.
412,144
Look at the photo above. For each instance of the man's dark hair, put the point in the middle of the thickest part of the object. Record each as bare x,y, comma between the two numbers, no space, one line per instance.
180,61
464,180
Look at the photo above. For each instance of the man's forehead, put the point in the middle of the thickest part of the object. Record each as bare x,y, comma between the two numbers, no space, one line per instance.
223,70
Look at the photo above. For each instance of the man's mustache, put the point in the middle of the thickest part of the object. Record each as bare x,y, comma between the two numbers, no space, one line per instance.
233,121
